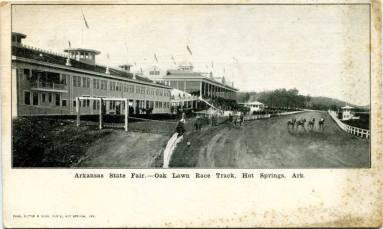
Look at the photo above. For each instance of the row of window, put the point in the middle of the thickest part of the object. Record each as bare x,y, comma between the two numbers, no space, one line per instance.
84,82
33,98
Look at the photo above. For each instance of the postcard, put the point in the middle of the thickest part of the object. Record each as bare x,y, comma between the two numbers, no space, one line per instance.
191,114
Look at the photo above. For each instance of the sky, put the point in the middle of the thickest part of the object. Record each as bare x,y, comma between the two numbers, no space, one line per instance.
322,50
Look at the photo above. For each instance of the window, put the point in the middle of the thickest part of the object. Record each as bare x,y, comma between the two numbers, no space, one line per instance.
35,98
104,85
27,98
50,97
43,97
63,102
76,81
94,105
154,72
26,73
74,103
57,99
84,82
87,82
64,79
87,102
94,83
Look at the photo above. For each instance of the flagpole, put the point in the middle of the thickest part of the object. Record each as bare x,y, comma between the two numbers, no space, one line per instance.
107,66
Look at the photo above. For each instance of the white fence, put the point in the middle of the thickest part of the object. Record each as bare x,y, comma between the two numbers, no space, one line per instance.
363,133
290,112
255,117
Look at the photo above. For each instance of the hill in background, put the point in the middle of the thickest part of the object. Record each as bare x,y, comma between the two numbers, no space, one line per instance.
292,98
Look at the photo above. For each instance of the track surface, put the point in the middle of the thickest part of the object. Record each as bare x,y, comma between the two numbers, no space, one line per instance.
270,144
121,149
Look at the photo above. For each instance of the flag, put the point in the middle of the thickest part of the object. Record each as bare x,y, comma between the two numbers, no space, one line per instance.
155,57
69,44
83,17
174,61
235,59
212,64
189,50
107,55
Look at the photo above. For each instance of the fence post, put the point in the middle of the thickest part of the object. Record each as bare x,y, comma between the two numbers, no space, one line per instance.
77,111
126,114
100,100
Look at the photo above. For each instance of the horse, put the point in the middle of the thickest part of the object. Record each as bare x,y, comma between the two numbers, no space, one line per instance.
321,124
301,123
238,120
291,123
311,123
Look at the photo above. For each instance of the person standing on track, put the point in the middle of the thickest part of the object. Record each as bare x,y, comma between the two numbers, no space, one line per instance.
197,123
180,129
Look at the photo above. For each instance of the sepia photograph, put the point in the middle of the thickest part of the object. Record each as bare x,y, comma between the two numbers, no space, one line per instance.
131,114
191,86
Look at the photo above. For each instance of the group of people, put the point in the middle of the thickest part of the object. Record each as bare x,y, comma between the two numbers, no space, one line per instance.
297,124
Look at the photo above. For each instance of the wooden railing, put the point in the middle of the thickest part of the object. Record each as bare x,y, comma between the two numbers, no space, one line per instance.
48,85
363,133
41,50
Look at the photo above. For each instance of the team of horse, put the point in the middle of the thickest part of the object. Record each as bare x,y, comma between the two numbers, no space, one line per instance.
300,124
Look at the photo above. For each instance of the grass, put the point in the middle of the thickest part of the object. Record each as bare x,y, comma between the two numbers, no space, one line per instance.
44,142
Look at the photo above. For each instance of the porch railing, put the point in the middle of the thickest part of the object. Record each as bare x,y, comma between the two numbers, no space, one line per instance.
48,85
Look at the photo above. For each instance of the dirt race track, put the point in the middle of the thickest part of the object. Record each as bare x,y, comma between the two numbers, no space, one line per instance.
270,144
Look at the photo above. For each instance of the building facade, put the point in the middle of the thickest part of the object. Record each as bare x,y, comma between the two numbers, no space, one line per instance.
203,85
347,113
47,83
254,106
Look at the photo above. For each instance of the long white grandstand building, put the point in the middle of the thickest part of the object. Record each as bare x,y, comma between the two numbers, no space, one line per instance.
47,83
